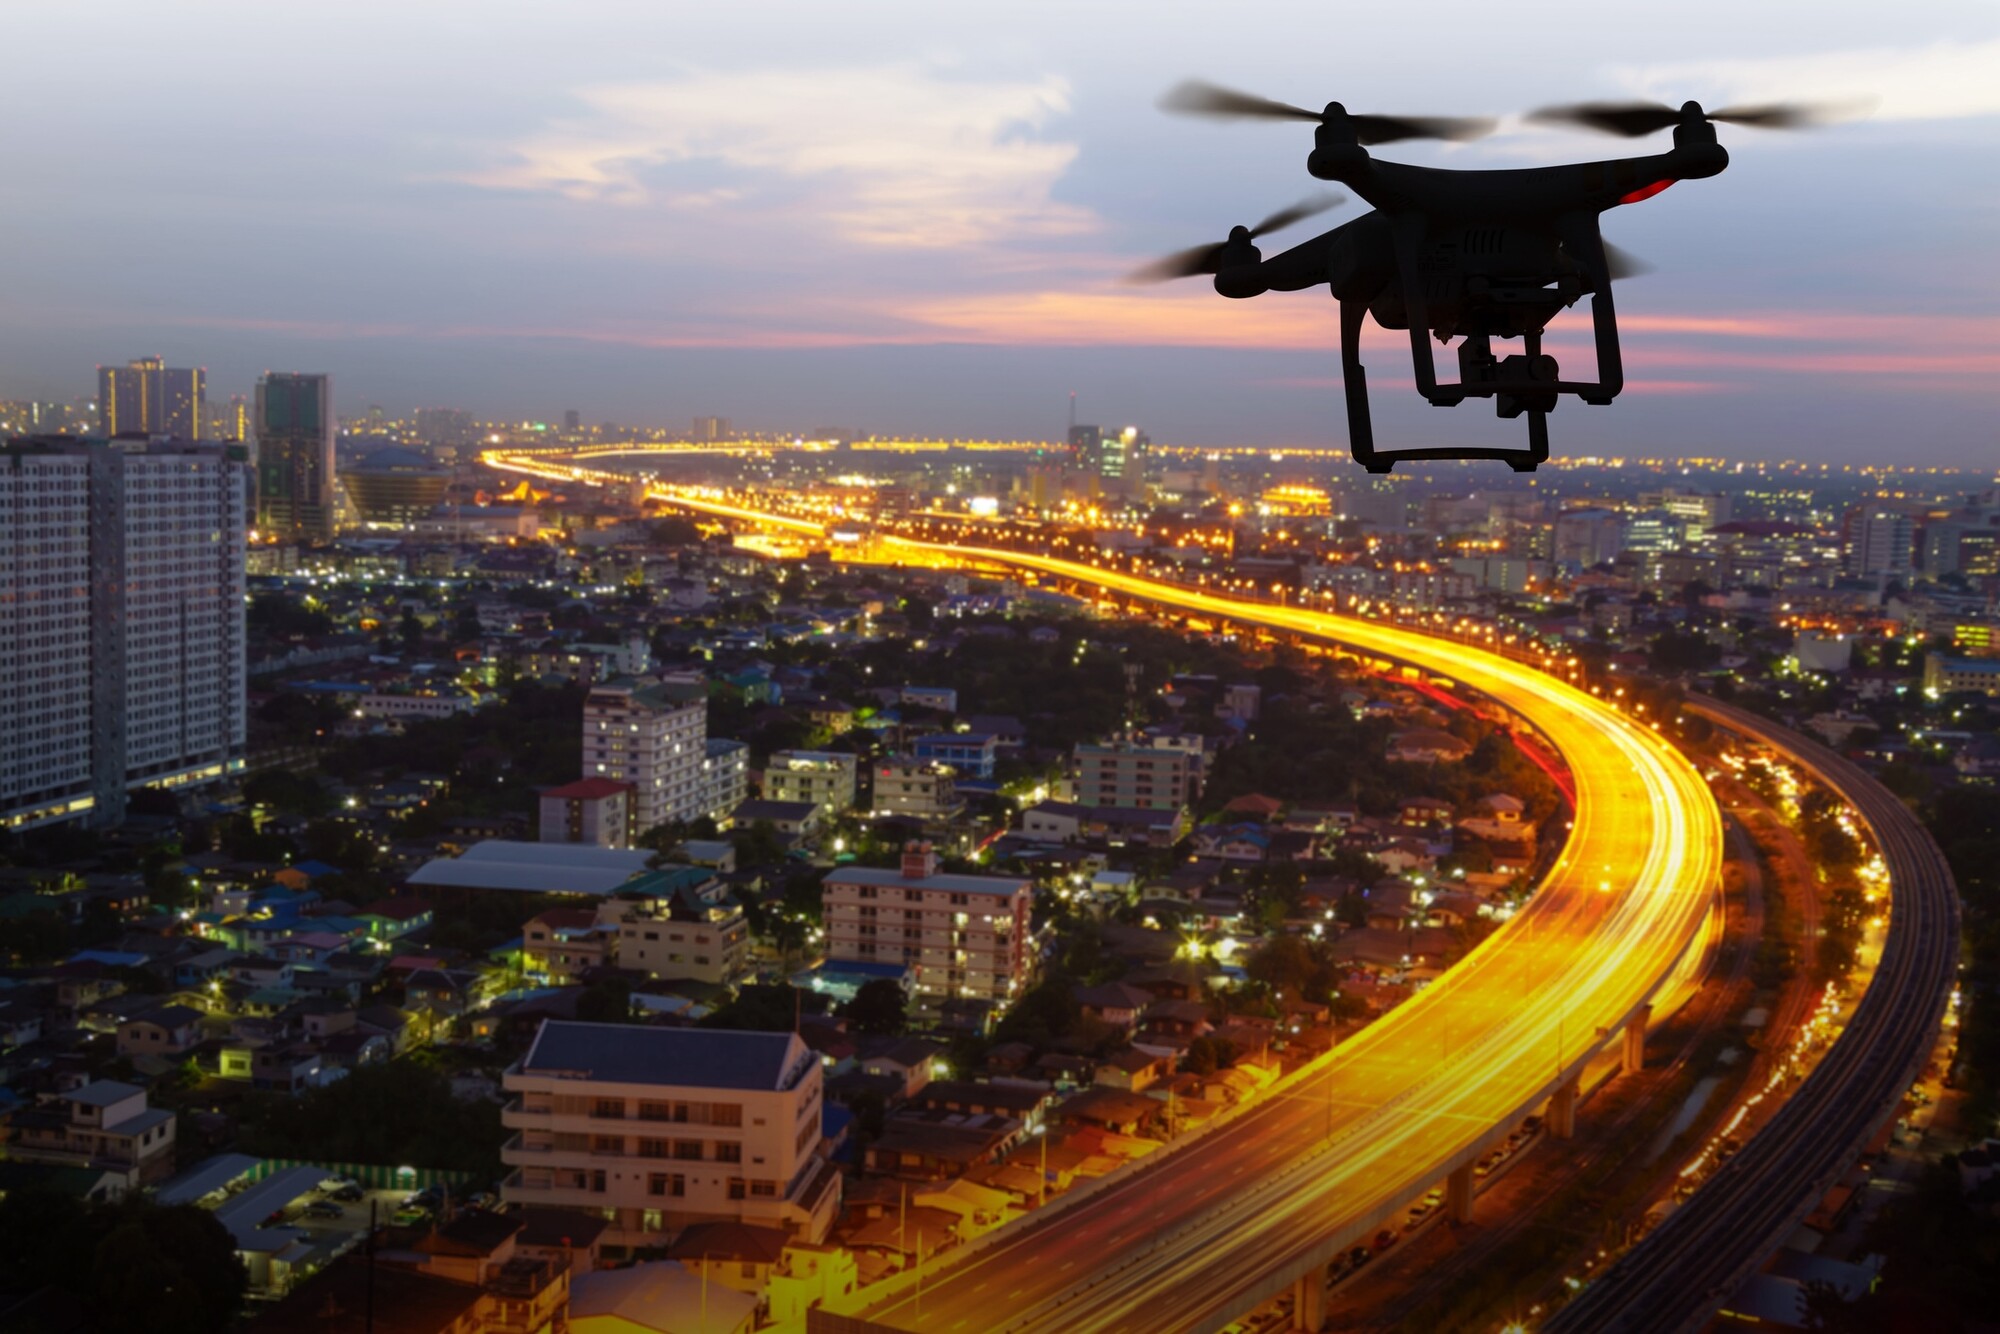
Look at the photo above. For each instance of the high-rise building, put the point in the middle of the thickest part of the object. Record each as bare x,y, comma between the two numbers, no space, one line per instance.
1146,778
123,666
710,428
148,397
295,477
1876,541
654,737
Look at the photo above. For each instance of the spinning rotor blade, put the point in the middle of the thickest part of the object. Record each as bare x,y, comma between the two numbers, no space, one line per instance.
1208,258
1181,264
1623,263
1632,119
1192,97
1790,115
1372,130
1298,212
1626,119
1195,98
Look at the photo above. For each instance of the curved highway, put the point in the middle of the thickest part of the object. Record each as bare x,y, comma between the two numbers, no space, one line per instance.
1194,1237
1677,1277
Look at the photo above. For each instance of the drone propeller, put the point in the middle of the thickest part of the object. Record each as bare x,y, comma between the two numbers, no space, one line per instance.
1208,258
1630,120
1620,263
1195,98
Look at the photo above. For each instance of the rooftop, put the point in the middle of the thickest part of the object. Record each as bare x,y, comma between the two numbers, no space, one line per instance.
1004,885
588,789
685,1057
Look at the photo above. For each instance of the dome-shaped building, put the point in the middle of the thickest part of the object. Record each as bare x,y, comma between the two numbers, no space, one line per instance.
395,486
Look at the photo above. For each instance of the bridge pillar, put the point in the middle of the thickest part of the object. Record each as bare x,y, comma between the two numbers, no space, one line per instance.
1458,1195
1635,1040
1561,1119
1309,1300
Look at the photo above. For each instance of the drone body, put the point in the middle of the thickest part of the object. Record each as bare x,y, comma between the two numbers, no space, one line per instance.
1471,255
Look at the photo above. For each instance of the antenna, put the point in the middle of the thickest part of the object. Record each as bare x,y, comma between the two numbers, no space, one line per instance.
1072,414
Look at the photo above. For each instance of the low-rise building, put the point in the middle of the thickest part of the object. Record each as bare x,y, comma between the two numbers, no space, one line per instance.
680,934
653,1129
1155,778
969,754
915,787
590,810
105,1126
825,778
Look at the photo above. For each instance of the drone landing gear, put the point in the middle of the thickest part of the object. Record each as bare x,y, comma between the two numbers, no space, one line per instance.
1361,431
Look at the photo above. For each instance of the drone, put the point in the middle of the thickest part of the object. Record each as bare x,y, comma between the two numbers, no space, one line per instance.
1472,255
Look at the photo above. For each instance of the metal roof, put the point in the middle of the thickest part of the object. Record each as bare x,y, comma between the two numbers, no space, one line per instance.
687,1057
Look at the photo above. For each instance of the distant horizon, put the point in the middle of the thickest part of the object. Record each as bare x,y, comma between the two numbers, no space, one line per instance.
917,221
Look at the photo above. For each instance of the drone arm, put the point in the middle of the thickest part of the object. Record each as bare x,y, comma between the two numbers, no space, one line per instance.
1304,265
1409,241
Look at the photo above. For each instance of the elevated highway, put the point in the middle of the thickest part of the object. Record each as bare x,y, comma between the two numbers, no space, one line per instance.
1680,1275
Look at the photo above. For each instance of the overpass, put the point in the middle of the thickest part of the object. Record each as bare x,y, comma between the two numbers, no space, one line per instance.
1702,1253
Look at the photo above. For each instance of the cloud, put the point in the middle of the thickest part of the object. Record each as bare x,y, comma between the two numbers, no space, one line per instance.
1943,81
895,155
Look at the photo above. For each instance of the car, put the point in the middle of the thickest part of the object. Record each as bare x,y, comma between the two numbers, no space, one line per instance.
1384,1240
1358,1256
484,1199
323,1209
348,1194
334,1183
410,1217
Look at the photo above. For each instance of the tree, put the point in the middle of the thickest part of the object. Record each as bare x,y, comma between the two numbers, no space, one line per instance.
607,1001
878,1008
133,1265
393,1113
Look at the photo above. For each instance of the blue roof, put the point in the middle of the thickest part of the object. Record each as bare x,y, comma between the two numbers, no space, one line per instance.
314,869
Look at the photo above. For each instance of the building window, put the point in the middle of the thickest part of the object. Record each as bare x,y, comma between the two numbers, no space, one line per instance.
688,1149
727,1152
738,1188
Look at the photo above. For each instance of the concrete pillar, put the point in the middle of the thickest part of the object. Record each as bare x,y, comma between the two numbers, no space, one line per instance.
1309,1300
1635,1040
1458,1194
1561,1120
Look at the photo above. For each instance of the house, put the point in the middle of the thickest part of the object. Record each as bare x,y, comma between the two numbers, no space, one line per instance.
104,1126
286,1069
562,944
396,918
1420,812
1117,1004
1132,1070
971,754
170,1030
1426,745
794,819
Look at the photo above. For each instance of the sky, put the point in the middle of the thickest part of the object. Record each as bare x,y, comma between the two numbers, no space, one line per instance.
916,218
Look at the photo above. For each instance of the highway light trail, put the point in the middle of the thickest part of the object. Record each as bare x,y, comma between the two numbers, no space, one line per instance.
1199,1234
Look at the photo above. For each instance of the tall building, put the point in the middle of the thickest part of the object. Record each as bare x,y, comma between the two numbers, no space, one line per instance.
654,737
962,935
394,487
295,477
651,1129
148,397
710,428
123,663
1876,541
445,426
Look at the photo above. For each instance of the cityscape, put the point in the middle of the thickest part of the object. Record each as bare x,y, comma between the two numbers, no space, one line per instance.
485,852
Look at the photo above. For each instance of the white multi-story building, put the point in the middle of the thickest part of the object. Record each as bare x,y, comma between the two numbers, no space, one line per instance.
725,777
654,737
657,1128
122,661
964,935
823,777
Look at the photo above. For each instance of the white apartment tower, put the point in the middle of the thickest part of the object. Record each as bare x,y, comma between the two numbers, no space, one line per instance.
654,737
122,574
962,935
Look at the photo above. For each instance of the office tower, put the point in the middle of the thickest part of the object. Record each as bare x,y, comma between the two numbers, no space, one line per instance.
710,428
1876,541
295,456
229,421
572,421
148,397
654,737
1111,455
395,486
123,667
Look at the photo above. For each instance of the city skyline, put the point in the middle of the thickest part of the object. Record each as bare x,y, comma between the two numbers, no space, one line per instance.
920,226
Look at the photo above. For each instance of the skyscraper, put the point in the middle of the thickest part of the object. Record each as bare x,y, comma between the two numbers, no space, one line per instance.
122,567
149,397
295,476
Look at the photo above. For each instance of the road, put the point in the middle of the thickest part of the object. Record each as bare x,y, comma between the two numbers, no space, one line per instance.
1677,1278
1195,1238
1192,1238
